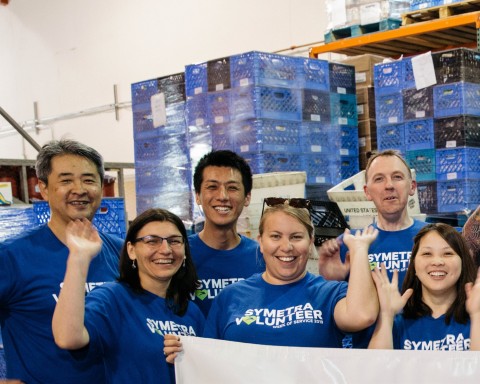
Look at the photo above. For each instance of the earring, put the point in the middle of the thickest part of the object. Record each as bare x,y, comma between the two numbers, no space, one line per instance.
133,264
184,260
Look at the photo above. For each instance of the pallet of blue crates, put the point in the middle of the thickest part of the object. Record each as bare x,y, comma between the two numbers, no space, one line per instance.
359,29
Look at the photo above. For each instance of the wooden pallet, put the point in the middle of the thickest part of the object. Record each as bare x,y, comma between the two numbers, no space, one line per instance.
440,12
358,30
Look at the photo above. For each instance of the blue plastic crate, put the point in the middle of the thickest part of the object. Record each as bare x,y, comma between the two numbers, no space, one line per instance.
314,74
459,64
218,107
16,221
158,148
223,137
416,5
266,69
458,163
316,105
457,131
389,108
349,166
419,135
175,122
173,87
342,78
321,168
349,145
158,178
110,217
196,79
417,104
265,135
218,74
319,138
273,162
458,195
391,137
343,109
169,200
407,75
388,77
456,99
266,103
196,111
423,161
142,93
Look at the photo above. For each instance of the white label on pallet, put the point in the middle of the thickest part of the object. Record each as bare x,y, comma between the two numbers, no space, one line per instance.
452,176
451,144
360,77
420,114
159,112
423,70
315,117
316,148
393,119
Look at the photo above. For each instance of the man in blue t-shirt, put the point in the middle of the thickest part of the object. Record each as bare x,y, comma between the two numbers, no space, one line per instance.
223,185
388,184
32,268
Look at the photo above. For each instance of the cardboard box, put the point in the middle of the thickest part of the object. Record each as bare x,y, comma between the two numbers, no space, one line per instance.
275,184
365,103
363,68
367,128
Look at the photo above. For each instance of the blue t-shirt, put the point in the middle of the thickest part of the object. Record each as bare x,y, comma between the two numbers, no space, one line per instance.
217,268
32,269
298,314
128,328
428,334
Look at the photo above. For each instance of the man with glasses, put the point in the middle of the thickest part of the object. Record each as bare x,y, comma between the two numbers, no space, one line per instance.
32,268
223,185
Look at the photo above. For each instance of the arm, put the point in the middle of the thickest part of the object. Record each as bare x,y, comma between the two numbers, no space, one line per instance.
391,303
473,308
68,327
330,265
359,308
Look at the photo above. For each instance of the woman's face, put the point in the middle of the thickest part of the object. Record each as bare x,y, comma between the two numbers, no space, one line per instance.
285,245
157,261
437,265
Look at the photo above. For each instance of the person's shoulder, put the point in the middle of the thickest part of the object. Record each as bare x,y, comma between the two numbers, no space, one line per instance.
418,224
25,239
248,242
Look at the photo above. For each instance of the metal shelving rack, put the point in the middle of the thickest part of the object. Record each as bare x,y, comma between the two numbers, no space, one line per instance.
444,33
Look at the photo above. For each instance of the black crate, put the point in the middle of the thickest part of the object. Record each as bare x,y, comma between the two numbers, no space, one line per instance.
457,131
327,220
461,64
342,78
316,106
427,196
173,87
218,74
417,104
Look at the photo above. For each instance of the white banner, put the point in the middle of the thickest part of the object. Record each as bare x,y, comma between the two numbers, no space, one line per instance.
216,361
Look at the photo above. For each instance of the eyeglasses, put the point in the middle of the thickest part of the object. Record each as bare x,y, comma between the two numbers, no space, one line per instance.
295,202
154,241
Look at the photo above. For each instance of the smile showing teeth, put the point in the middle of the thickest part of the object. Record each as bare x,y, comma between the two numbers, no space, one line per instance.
79,202
163,261
286,259
222,209
437,274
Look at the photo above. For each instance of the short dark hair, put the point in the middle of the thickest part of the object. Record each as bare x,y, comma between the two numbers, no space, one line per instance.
415,306
183,283
387,153
223,158
55,148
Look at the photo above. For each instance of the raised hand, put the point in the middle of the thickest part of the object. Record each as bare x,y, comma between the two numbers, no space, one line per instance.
83,240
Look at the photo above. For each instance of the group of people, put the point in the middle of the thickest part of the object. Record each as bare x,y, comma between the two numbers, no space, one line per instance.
78,306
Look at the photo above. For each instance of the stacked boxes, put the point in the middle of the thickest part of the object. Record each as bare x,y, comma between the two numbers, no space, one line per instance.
440,126
162,158
367,125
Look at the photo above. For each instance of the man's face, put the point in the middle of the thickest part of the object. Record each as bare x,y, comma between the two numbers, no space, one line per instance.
74,189
389,185
222,195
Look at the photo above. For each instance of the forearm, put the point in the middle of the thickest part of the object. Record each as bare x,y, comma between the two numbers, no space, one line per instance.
475,332
382,337
68,319
361,301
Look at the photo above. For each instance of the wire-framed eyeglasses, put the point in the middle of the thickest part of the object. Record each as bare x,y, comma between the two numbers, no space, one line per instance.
295,202
154,241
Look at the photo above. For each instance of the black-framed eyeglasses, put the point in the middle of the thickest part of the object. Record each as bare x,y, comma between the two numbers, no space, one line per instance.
154,241
296,202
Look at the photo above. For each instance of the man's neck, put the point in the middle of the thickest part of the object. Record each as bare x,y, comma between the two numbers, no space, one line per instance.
222,238
394,223
58,230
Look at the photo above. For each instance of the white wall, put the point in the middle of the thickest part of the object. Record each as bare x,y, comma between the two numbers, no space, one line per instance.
67,55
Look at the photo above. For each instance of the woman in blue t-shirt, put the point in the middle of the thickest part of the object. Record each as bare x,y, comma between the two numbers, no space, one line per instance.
124,322
440,302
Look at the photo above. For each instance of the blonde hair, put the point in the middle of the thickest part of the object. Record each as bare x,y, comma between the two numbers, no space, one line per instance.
300,214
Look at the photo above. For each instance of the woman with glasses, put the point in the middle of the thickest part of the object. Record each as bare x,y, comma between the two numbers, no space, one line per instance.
286,305
125,321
